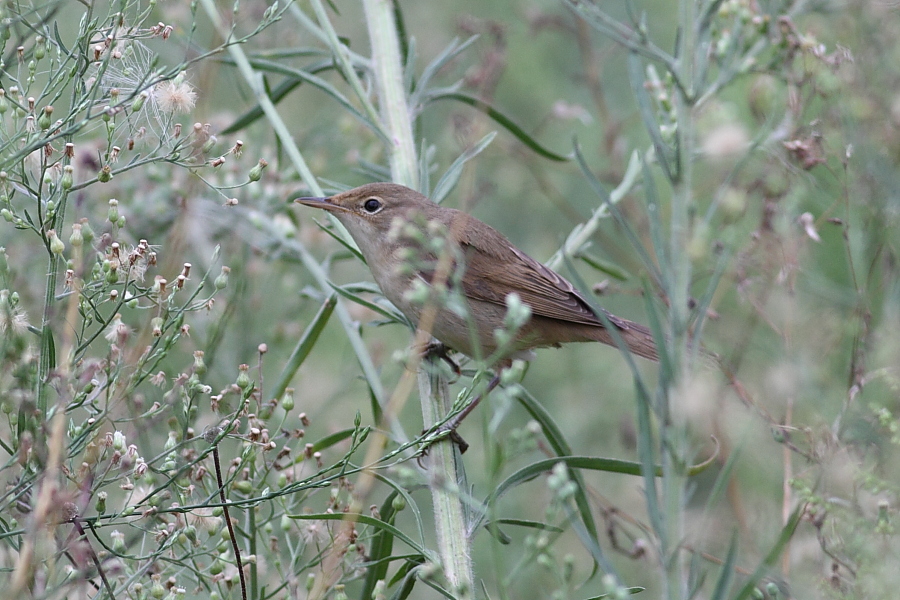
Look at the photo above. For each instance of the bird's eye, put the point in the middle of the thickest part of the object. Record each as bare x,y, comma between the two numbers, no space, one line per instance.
372,205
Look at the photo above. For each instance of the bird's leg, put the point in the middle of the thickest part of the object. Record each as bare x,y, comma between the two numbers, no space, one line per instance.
437,349
451,425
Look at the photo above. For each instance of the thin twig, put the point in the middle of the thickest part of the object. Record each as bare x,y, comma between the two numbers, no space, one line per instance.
234,544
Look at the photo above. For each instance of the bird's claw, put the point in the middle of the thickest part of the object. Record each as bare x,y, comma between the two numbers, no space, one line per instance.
437,349
436,434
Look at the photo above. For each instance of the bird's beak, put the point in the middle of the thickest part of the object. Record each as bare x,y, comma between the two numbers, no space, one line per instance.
323,203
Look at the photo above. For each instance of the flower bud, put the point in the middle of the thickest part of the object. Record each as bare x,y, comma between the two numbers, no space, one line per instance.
113,213
44,121
76,240
118,542
171,442
517,312
138,103
243,486
86,232
287,401
190,533
199,365
256,172
221,281
67,179
243,379
57,246
216,567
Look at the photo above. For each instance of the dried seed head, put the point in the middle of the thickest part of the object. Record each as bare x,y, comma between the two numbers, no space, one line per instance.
175,96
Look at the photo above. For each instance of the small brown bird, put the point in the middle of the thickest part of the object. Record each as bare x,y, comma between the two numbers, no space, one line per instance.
394,226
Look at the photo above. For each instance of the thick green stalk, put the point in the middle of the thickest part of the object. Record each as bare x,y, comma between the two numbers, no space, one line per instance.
672,432
388,66
452,535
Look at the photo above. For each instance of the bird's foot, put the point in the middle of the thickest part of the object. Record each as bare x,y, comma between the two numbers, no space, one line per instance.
448,428
436,434
436,349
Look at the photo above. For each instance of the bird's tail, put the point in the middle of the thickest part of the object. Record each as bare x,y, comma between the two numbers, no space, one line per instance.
639,341
637,338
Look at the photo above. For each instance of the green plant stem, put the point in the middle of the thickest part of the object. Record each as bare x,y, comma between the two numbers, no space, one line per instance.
254,571
388,67
673,438
452,537
583,232
47,356
343,62
449,516
254,80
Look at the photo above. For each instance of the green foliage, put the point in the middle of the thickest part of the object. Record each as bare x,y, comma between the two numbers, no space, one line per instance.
196,399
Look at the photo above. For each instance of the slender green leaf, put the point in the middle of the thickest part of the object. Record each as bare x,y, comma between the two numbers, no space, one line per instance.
377,411
330,231
645,107
396,317
644,404
449,180
410,503
723,585
655,324
706,299
497,116
559,444
276,95
373,171
400,24
330,440
603,265
787,532
408,574
631,590
592,463
380,549
304,346
493,528
453,49
326,87
530,524
620,219
654,219
365,520
722,479
589,541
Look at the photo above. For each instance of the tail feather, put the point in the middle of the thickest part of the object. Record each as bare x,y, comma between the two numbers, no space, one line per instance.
639,341
637,338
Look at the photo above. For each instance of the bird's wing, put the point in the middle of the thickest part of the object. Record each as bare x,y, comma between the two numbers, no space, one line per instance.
500,268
